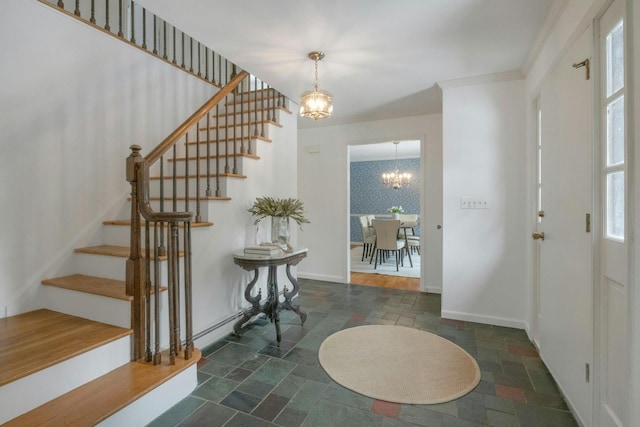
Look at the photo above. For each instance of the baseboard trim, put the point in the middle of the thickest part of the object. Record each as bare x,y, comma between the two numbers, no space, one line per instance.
489,320
322,277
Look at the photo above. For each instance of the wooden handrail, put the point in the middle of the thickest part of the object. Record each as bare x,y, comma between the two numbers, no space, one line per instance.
169,141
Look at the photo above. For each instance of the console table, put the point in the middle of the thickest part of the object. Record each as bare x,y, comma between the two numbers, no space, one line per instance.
273,305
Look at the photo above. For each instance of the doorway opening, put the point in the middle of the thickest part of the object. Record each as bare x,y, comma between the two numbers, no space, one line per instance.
374,192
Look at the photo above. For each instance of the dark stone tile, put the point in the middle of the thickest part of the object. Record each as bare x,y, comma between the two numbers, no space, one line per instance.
178,412
514,369
215,389
339,394
270,407
312,373
254,362
509,380
238,374
255,388
273,371
209,414
233,354
241,401
535,416
289,386
303,357
244,420
546,400
212,348
420,415
485,387
290,417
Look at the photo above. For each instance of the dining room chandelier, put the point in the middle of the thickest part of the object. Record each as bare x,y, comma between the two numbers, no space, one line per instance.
396,179
316,104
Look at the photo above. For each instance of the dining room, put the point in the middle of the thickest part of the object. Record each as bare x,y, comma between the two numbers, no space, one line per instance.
385,180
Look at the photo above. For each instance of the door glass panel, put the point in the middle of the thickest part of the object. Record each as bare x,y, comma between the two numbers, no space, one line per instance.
615,132
615,59
615,205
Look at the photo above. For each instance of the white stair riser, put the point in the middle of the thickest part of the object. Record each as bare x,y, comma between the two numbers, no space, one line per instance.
232,130
111,267
27,393
119,235
153,404
215,165
154,191
89,306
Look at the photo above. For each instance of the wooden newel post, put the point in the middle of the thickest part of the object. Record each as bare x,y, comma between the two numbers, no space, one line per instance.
135,266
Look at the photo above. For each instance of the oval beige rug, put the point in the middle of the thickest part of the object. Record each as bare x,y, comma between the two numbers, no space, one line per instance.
398,364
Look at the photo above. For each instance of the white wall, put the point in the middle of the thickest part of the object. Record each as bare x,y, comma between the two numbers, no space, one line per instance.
484,269
323,184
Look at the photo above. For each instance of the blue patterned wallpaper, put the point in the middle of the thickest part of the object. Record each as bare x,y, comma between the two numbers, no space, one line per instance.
370,196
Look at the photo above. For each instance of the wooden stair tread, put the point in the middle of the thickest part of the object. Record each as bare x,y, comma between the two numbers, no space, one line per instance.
33,341
110,250
92,285
127,222
97,400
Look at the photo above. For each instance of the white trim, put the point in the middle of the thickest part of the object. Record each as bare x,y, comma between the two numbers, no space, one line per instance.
484,79
323,277
550,21
488,320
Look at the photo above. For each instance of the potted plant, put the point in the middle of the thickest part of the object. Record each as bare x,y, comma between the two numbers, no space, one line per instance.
396,211
280,211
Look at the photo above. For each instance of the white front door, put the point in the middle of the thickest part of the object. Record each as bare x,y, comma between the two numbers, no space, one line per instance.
611,329
565,292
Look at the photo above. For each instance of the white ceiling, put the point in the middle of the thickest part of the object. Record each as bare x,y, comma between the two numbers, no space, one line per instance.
383,58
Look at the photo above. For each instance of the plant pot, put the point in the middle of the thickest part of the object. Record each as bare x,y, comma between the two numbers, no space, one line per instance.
280,229
395,215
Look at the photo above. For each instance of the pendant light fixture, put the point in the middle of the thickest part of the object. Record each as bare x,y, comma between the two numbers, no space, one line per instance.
316,104
396,179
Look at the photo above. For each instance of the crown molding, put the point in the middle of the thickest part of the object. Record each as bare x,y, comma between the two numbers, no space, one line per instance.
550,21
485,79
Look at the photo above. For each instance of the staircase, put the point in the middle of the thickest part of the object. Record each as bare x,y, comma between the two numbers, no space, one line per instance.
80,369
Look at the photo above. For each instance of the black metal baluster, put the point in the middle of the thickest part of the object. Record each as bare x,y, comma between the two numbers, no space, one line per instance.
164,39
255,104
182,50
208,193
233,136
174,45
106,26
175,181
77,11
60,4
206,64
218,153
120,33
199,61
144,28
156,292
155,38
92,19
133,23
191,54
262,108
186,172
198,217
162,248
242,148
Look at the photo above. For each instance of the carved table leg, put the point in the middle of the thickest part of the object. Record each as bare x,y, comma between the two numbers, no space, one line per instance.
288,296
255,305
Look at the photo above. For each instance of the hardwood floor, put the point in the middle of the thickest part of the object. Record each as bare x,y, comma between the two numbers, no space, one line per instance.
384,281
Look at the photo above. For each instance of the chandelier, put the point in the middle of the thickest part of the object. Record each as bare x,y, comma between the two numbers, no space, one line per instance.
396,179
316,104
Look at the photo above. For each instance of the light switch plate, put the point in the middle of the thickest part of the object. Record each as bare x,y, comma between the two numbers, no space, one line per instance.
473,203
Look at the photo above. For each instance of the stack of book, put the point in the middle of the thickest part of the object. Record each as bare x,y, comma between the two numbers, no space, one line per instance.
263,250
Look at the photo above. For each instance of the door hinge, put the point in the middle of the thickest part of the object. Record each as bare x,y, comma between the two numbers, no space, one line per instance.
587,372
588,223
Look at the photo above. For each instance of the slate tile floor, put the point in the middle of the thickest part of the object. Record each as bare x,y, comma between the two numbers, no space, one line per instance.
249,381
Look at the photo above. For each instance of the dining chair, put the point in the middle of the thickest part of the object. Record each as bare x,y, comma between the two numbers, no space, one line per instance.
368,237
387,240
408,220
